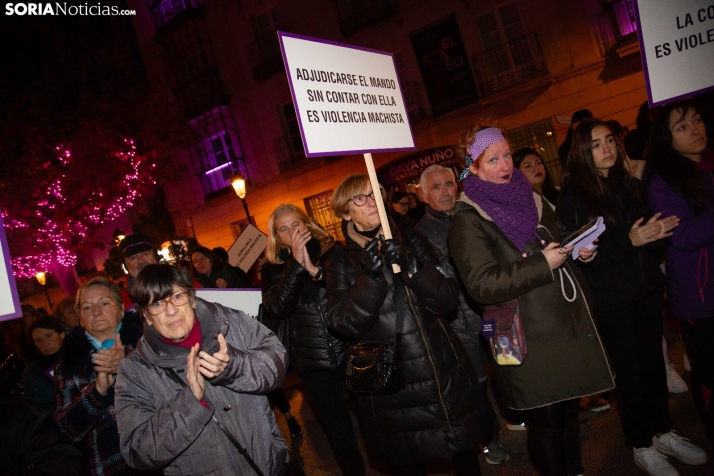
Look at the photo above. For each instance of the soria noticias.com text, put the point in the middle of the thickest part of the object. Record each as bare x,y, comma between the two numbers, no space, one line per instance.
61,8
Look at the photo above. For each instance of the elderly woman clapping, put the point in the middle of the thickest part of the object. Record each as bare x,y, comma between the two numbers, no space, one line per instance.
193,390
88,363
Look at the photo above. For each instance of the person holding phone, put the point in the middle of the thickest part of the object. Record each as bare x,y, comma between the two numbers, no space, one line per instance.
505,242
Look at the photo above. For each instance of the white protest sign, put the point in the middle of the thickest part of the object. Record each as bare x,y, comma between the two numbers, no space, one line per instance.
677,45
347,99
9,299
246,300
247,248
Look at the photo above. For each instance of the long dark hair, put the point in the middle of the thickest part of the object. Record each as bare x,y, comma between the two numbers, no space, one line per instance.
549,190
680,173
581,174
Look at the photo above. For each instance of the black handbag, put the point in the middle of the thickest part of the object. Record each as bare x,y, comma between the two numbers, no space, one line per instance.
375,368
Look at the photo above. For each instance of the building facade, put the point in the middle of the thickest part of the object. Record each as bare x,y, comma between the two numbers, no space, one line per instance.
527,63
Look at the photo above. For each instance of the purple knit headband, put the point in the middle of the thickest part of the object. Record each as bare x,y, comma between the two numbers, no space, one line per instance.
482,139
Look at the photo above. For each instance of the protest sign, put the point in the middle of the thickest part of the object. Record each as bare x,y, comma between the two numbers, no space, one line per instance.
9,299
247,248
348,100
677,47
246,300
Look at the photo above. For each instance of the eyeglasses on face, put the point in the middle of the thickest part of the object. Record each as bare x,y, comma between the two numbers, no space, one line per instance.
361,199
404,204
159,306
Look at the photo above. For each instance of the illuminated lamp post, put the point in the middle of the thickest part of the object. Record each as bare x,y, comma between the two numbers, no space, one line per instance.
118,236
238,182
41,278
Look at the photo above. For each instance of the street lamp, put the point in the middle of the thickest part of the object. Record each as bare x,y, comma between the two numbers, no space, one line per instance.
118,236
238,182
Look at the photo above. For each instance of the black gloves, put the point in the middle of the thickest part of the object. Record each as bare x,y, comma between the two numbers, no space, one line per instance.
371,261
395,253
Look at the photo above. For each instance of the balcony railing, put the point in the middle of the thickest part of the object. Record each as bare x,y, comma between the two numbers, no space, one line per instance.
287,157
356,15
412,101
508,64
265,57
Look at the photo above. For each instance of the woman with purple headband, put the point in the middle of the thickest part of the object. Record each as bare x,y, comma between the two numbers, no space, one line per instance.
504,240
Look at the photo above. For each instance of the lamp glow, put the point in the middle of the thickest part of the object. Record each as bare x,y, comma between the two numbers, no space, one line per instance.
238,182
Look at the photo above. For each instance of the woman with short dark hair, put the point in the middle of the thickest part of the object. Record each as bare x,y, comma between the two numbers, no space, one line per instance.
47,334
193,392
208,271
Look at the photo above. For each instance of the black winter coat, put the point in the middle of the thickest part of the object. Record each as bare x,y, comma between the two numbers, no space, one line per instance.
466,320
440,411
289,292
621,273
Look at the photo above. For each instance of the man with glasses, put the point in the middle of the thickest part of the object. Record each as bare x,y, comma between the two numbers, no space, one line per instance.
438,188
400,211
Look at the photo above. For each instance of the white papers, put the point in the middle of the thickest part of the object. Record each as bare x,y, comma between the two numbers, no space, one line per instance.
585,236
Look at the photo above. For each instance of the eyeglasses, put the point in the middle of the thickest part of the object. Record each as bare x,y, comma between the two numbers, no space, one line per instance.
361,199
404,204
159,306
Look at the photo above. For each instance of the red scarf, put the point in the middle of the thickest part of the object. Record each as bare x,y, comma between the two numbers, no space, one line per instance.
193,338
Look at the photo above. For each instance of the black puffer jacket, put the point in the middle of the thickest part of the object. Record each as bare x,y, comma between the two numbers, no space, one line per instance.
439,413
290,293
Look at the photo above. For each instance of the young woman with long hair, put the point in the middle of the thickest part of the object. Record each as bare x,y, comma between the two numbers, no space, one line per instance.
627,286
679,179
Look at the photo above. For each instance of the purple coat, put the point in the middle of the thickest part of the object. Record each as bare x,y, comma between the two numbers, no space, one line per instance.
690,257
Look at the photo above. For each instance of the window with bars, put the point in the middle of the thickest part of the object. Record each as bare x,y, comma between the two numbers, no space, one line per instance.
539,136
318,208
191,69
218,155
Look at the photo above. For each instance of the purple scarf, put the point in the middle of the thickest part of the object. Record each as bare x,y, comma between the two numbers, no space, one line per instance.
510,205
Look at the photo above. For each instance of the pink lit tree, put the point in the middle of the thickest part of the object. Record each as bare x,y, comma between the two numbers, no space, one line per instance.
70,199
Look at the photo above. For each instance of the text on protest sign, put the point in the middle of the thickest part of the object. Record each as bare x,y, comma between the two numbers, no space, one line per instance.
677,44
247,248
347,99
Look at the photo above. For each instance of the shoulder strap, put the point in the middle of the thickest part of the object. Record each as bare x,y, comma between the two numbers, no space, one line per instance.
400,300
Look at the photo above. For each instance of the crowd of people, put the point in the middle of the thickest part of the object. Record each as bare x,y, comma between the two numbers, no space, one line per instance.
153,379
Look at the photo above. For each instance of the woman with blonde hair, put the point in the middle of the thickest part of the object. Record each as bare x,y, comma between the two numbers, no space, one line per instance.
294,288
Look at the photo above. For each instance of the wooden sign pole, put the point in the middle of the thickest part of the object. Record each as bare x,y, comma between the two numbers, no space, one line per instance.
380,203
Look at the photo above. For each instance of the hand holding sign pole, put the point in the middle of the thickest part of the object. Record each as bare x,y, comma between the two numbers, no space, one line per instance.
348,101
